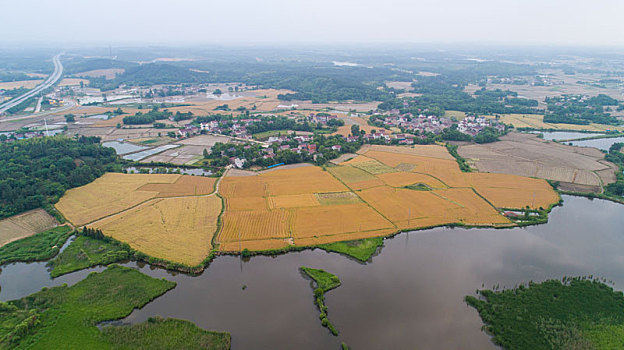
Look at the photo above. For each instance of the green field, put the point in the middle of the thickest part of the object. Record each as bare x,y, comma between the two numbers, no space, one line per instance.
338,198
86,252
267,134
361,249
325,282
350,174
575,314
160,334
67,317
374,167
38,247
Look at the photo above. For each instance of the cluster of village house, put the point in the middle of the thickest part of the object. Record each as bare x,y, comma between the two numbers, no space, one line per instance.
470,125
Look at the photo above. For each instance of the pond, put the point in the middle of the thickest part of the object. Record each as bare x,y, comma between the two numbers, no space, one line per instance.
409,296
148,152
602,144
564,135
123,147
157,170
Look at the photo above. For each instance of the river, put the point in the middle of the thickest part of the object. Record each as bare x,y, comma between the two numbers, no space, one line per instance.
409,296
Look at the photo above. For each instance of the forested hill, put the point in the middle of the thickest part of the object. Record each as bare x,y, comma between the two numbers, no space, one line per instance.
36,172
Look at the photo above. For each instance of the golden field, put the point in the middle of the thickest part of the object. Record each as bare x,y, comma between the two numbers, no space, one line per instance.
116,192
27,84
168,216
176,229
381,191
536,121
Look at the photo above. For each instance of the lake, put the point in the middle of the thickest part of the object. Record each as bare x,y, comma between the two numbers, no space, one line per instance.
184,171
602,144
564,135
409,296
122,148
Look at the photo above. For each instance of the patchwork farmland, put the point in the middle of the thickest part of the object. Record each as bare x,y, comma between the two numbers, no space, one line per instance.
381,191
167,216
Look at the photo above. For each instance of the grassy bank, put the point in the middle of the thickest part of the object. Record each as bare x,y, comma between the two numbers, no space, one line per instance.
67,317
361,249
157,333
85,252
325,282
575,313
41,246
461,161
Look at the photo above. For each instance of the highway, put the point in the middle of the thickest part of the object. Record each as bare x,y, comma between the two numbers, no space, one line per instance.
58,72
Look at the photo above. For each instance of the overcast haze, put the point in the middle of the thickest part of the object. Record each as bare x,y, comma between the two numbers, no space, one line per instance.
561,22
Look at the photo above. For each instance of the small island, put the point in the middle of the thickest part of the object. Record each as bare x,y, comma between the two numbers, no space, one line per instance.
325,282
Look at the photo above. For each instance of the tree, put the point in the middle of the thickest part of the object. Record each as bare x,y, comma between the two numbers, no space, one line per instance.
70,118
355,129
217,92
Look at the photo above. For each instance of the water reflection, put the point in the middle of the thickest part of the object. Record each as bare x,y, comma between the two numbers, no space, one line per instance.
410,296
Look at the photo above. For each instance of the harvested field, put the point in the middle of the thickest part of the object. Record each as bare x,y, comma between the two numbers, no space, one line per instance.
175,229
180,156
73,82
530,156
107,73
536,121
24,225
28,84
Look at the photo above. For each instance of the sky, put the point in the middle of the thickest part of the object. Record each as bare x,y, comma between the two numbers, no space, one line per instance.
510,22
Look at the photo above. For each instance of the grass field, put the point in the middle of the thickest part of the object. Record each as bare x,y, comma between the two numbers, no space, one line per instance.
160,334
38,247
86,252
24,225
67,317
381,191
361,249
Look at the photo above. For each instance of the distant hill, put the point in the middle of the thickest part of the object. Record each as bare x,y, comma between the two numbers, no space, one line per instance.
77,65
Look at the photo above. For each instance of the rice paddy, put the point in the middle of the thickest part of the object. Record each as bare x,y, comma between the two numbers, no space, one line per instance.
380,192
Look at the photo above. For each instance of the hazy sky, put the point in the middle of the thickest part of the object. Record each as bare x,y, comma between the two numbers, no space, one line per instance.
561,22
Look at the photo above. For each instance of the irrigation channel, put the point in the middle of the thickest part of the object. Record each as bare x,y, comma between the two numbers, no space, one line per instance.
409,296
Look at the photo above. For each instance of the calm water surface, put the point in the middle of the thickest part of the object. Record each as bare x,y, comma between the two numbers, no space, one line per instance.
409,297
603,144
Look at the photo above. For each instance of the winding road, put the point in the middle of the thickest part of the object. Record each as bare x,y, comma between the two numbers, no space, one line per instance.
58,72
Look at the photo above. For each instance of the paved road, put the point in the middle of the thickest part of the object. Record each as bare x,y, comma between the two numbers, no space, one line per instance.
58,72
